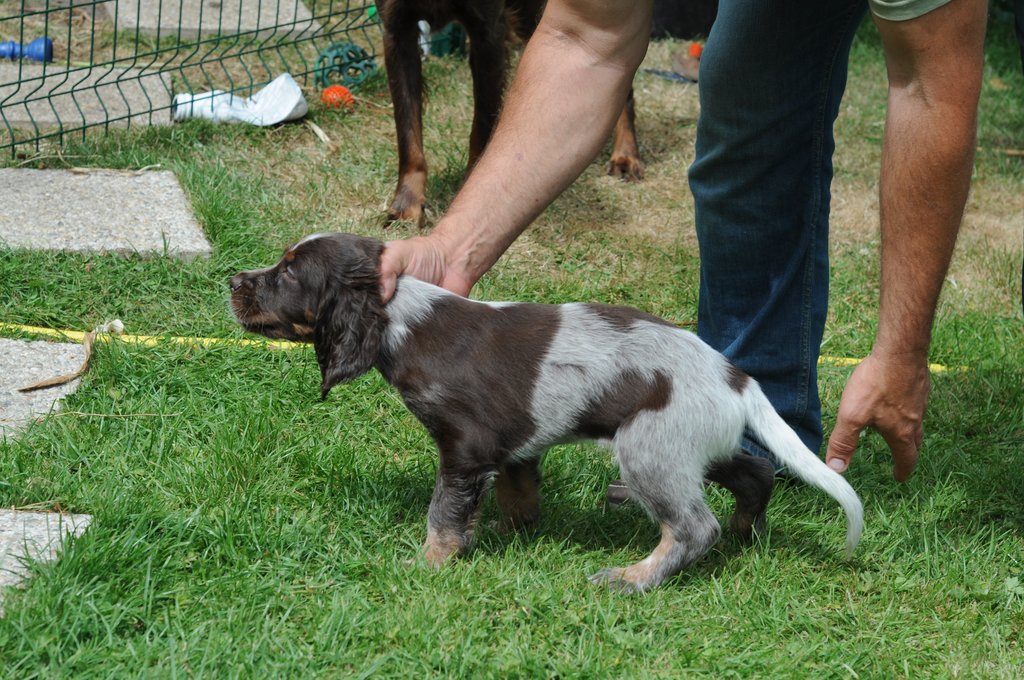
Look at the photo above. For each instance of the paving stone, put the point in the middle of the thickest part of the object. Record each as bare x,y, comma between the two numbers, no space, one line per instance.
32,536
211,17
45,101
98,211
23,363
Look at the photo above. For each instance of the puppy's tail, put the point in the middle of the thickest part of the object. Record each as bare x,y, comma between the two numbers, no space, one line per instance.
782,441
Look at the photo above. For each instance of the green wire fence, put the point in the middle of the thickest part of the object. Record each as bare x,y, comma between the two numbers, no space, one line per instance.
118,63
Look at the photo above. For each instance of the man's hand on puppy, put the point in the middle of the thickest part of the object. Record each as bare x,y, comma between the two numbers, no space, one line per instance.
889,395
422,257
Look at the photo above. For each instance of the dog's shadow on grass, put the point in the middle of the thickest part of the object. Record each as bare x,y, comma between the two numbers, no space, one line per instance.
627,529
575,516
574,521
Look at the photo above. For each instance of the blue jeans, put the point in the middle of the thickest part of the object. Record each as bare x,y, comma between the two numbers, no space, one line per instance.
771,78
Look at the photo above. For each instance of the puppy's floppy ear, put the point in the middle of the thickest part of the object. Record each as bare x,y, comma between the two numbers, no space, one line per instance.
351,319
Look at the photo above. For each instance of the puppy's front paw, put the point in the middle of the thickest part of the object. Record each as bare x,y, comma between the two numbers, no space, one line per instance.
505,526
440,546
512,523
434,557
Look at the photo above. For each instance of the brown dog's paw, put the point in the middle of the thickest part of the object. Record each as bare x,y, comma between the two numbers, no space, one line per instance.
417,217
629,168
407,207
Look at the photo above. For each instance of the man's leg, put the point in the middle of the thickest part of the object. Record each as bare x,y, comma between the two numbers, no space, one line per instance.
771,79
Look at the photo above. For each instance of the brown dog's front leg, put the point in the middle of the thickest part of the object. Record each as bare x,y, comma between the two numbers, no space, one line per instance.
625,162
405,80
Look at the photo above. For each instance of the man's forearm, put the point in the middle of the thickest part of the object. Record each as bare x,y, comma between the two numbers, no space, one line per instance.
923,190
571,83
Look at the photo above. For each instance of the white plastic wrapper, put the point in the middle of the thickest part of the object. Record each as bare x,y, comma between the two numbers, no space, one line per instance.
281,100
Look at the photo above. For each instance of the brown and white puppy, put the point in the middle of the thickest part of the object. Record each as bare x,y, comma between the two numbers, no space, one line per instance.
489,24
496,384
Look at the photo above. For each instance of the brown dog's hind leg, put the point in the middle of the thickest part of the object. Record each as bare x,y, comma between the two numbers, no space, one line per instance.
517,489
751,481
625,162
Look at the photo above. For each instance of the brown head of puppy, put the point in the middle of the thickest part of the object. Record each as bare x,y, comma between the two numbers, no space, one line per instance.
324,290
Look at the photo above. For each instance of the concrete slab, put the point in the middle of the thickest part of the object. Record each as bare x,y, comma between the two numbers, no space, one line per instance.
34,536
279,18
98,211
74,99
23,363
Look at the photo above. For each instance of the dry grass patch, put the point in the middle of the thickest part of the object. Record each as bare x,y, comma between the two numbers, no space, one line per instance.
981,276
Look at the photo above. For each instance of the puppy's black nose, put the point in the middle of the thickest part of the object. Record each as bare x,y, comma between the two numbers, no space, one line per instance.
237,281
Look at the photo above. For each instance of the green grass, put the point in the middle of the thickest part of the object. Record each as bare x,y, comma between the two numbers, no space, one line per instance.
244,528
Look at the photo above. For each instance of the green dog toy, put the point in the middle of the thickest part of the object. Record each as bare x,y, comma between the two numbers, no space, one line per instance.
344,63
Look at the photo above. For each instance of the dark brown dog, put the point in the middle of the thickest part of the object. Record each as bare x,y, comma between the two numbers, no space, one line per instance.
489,24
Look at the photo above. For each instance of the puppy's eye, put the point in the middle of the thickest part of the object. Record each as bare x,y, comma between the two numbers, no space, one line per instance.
287,274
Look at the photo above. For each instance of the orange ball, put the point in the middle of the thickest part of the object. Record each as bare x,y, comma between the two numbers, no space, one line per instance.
696,49
336,96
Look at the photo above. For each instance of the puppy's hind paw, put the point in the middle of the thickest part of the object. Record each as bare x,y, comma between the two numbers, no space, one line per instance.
419,561
614,578
748,528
